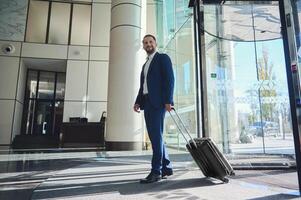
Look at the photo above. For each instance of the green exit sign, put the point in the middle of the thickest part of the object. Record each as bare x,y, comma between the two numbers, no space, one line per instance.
213,75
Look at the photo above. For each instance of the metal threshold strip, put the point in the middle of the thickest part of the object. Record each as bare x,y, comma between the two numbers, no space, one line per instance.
264,166
262,162
192,2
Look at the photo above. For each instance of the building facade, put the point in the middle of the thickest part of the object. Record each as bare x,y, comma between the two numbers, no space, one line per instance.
55,63
57,67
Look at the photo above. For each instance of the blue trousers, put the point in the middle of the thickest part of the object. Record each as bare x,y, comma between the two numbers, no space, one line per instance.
154,119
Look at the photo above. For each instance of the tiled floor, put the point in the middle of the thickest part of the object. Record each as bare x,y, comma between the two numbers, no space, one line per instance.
115,175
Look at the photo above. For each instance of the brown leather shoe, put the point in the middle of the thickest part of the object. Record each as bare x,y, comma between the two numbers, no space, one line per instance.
151,178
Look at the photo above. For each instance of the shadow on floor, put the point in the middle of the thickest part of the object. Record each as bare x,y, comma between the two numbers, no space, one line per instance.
38,165
23,194
124,187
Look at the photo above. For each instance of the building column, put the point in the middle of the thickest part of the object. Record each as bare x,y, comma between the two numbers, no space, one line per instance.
124,126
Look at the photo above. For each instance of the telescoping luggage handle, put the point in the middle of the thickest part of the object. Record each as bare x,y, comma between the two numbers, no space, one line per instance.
181,131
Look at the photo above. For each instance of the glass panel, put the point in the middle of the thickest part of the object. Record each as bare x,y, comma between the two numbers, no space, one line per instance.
236,20
182,13
248,105
59,23
219,75
293,12
39,115
169,20
31,88
43,119
296,9
60,86
274,109
171,135
29,116
37,21
80,34
58,116
298,26
178,43
46,85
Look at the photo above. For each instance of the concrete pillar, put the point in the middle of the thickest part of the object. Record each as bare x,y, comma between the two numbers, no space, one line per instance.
124,126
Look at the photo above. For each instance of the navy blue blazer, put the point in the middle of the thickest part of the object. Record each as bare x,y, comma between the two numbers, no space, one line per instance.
160,82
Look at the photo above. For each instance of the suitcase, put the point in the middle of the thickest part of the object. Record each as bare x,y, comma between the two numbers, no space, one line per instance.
206,154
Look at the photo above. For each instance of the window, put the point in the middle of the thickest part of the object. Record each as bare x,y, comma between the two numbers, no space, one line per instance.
58,22
80,27
37,21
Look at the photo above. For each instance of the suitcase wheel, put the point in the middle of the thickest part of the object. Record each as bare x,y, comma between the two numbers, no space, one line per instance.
225,180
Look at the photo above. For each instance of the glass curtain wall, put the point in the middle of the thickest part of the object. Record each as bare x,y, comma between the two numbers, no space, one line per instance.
246,87
176,38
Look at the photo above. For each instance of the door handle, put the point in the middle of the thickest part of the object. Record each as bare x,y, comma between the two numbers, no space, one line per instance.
44,124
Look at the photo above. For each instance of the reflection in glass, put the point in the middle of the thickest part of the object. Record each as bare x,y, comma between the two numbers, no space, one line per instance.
58,116
183,12
296,8
37,21
43,118
32,81
168,20
246,87
60,86
59,23
29,111
248,105
80,33
236,21
178,43
295,56
42,114
46,85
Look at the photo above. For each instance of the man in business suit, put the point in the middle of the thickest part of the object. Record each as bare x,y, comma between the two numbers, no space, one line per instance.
155,97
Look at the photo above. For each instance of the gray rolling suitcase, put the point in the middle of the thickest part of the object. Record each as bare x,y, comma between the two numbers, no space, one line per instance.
206,155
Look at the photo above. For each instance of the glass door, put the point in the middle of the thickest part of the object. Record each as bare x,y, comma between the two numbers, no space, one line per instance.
290,11
43,118
250,78
44,100
244,77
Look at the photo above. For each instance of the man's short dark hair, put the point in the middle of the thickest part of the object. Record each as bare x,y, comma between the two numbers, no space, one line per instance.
149,35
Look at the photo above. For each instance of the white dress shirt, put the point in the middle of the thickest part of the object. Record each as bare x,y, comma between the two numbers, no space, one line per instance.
146,67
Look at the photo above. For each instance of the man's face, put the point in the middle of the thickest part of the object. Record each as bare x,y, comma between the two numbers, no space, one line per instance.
149,45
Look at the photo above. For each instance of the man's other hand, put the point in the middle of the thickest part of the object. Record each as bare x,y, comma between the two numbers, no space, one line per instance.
168,107
137,108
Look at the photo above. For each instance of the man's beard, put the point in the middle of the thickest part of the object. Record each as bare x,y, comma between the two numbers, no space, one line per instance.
150,51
